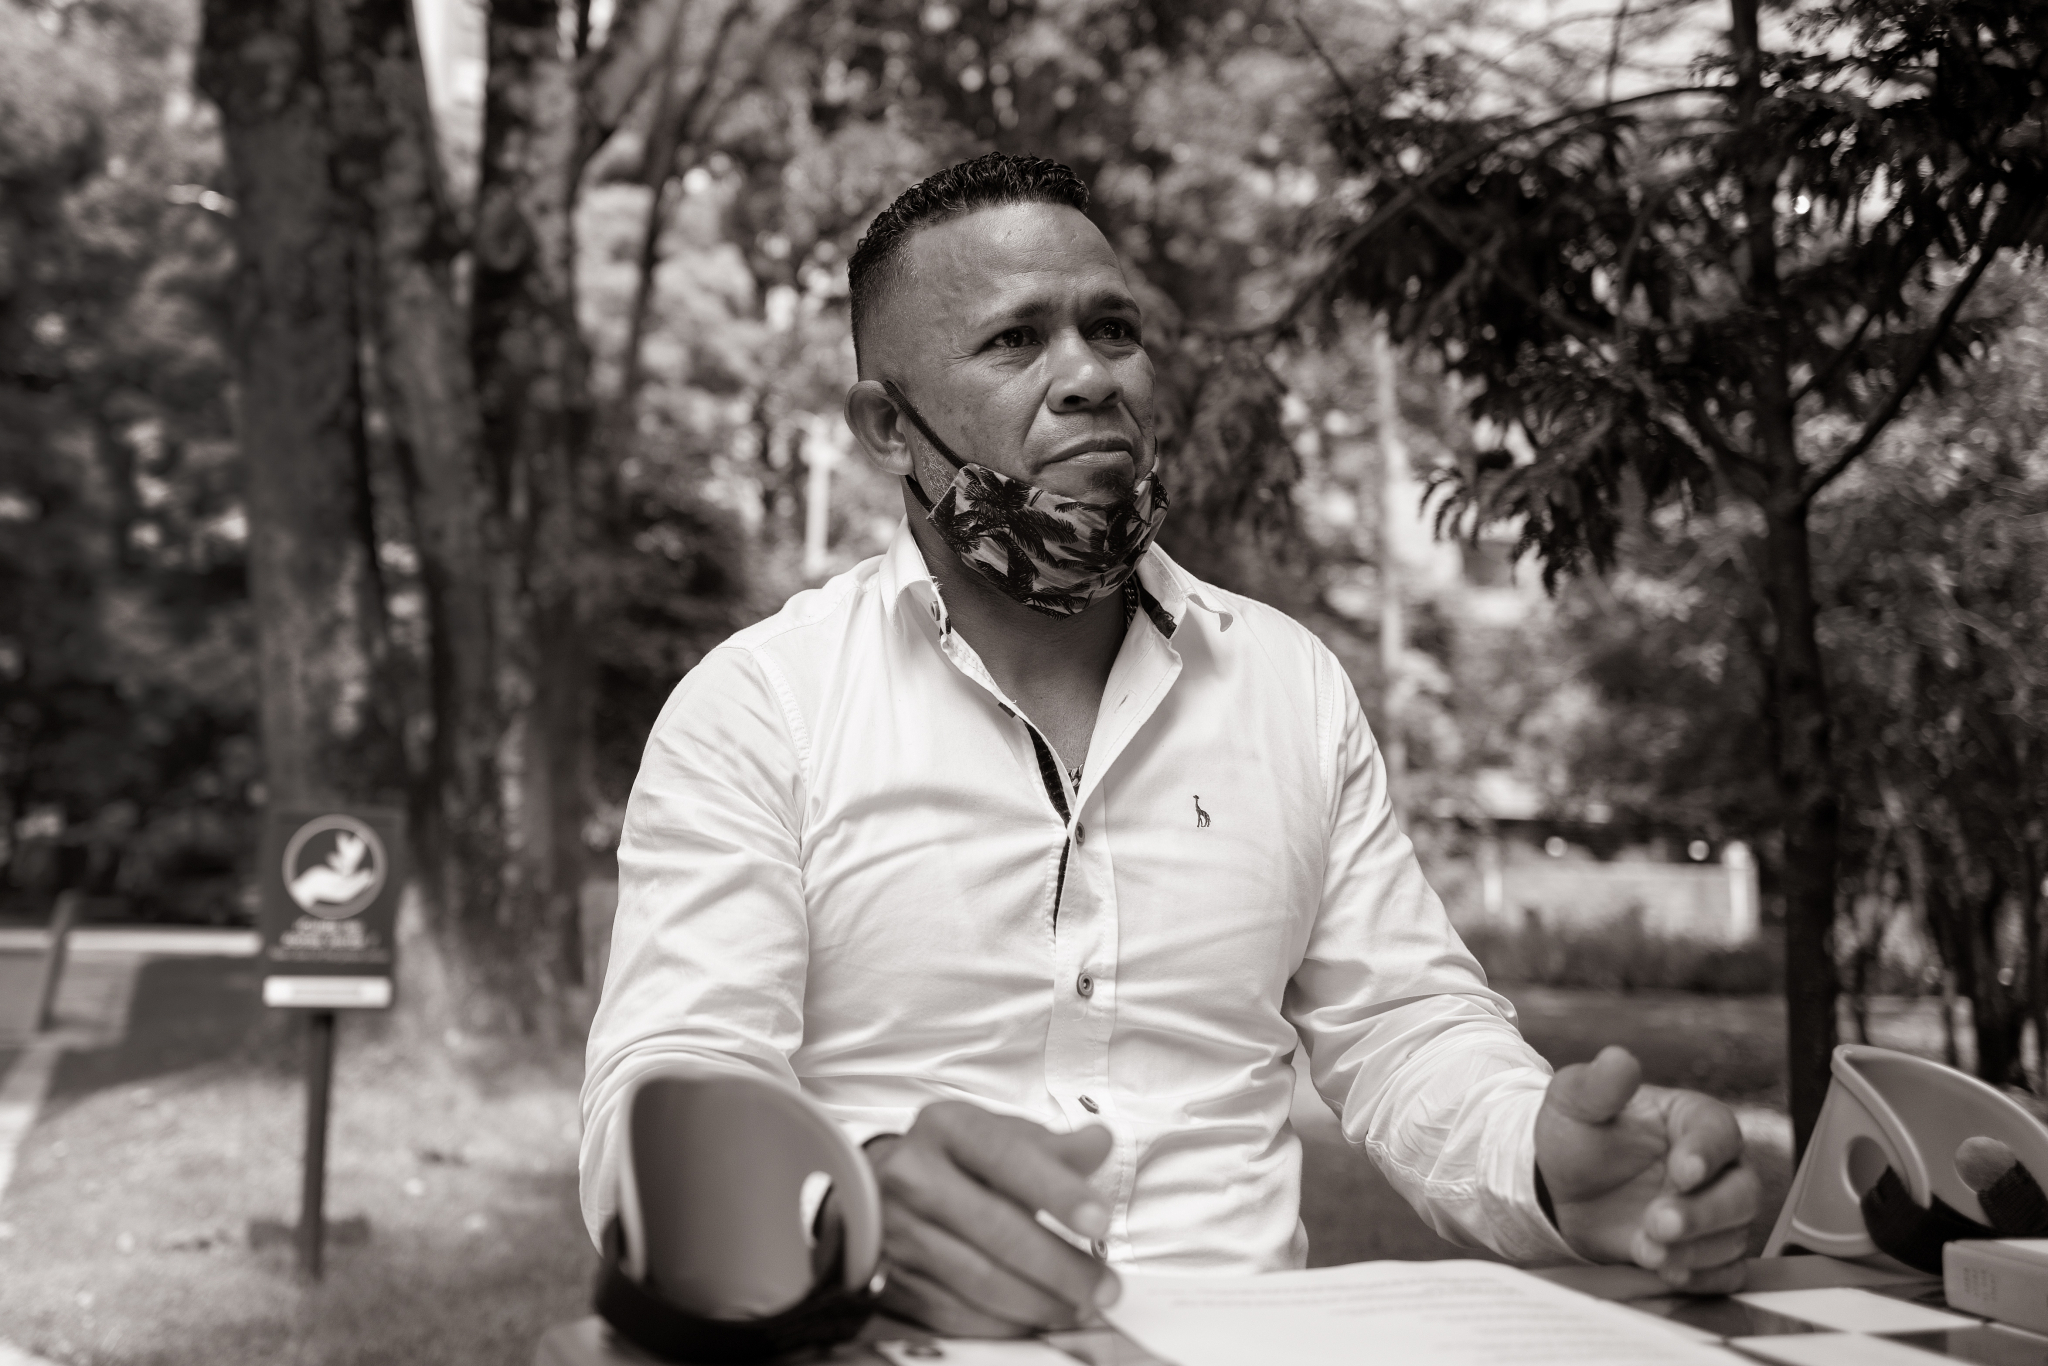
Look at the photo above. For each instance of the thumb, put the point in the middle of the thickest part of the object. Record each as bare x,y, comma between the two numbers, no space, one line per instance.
1081,1151
1595,1092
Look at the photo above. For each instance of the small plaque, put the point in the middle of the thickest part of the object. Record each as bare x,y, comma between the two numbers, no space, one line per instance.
329,916
328,993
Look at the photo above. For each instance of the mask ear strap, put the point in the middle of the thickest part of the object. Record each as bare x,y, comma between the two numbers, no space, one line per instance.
924,428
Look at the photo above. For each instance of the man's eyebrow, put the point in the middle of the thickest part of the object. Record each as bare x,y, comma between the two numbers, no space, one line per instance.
1030,305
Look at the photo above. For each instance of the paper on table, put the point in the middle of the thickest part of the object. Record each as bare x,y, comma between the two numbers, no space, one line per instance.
1394,1314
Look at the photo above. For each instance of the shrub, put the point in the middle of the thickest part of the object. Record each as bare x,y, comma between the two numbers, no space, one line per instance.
1619,956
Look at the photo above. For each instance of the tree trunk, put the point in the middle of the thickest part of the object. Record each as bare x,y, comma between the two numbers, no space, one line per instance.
1809,812
1994,1004
2034,1007
678,121
1395,481
390,164
321,641
532,386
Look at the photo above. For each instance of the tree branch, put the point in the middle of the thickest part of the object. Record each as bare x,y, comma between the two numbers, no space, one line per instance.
1414,187
641,34
675,126
1821,379
1927,357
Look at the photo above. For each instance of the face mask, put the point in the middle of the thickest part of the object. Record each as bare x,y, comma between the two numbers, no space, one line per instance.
1049,552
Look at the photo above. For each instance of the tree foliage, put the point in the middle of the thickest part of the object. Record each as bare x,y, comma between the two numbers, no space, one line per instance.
1929,580
1936,626
1727,287
125,694
1591,270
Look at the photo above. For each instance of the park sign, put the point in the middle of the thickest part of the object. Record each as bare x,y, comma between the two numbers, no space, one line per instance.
329,912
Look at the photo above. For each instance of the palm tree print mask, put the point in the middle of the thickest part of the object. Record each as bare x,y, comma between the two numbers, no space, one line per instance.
1052,553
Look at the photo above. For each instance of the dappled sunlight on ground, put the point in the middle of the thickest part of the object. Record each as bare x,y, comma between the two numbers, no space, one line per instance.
131,1208
126,1226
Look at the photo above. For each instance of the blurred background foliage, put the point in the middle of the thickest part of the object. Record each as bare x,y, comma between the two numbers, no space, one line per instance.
128,709
712,229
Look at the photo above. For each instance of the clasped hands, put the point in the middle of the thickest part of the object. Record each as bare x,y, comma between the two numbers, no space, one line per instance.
1642,1174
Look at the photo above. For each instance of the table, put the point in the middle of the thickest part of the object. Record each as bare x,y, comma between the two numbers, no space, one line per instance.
589,1341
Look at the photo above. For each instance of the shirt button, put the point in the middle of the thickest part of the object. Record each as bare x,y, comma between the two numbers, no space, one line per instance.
1089,1106
1080,833
1100,1247
1085,984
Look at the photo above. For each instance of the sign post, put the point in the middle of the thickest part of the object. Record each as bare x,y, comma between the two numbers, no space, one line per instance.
329,918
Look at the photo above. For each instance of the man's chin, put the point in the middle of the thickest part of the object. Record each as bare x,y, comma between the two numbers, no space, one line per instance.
1108,482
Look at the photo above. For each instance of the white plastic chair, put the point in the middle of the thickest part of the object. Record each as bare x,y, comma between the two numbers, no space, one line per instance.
1893,1109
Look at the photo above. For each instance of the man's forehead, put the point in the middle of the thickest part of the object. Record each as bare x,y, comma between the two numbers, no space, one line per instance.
1012,254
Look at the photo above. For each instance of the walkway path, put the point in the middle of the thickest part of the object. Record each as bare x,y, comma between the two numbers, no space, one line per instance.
91,1012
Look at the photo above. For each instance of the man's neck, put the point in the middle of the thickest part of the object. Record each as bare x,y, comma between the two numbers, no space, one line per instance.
1055,668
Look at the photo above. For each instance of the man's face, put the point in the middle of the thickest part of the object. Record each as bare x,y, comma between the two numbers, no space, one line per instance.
1012,330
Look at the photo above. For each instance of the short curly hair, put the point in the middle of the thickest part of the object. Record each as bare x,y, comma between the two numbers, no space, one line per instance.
981,183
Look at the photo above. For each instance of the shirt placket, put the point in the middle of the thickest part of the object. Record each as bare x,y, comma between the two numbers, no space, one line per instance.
1084,912
1087,951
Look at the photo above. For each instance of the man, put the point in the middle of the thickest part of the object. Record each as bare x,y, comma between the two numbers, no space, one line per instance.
1034,859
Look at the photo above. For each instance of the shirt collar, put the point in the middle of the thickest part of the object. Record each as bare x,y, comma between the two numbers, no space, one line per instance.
904,573
1175,590
1172,589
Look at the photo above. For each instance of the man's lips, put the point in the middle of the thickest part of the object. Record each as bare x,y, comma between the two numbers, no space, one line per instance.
1098,450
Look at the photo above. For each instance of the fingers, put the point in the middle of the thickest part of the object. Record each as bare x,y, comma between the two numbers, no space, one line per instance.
1645,1173
960,1193
1721,1280
1595,1092
1730,1202
1693,1241
971,1275
914,1296
1701,1254
972,1218
1082,1151
1037,1169
1705,1139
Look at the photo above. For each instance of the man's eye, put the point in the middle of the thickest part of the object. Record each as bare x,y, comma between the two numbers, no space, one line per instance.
1015,337
1116,329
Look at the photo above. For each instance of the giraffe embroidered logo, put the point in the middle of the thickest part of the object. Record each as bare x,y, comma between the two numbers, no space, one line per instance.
1201,816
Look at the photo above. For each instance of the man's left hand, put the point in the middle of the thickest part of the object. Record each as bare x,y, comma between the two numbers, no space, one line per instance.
1646,1174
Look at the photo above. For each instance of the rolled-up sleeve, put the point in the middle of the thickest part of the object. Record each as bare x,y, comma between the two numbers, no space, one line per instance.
710,946
1422,1063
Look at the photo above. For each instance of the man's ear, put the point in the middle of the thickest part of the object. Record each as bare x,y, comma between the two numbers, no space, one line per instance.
877,426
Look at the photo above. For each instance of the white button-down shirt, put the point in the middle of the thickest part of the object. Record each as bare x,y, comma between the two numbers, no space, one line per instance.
844,864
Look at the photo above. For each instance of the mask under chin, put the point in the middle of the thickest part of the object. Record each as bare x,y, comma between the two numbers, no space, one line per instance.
1044,550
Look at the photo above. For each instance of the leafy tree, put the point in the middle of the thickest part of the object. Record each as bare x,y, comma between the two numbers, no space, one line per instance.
1928,578
1725,290
1934,632
485,395
125,696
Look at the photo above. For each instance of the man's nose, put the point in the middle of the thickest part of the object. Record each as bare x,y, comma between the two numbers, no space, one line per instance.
1080,380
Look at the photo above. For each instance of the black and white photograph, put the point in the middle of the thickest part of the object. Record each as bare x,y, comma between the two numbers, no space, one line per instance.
1023,682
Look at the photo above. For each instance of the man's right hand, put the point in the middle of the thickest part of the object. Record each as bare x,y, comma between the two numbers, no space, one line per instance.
965,1255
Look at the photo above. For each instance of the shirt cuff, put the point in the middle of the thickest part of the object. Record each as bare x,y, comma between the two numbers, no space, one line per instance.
1521,1231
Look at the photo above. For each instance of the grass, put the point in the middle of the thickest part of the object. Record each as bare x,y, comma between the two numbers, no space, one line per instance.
1621,957
126,1226
124,1237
